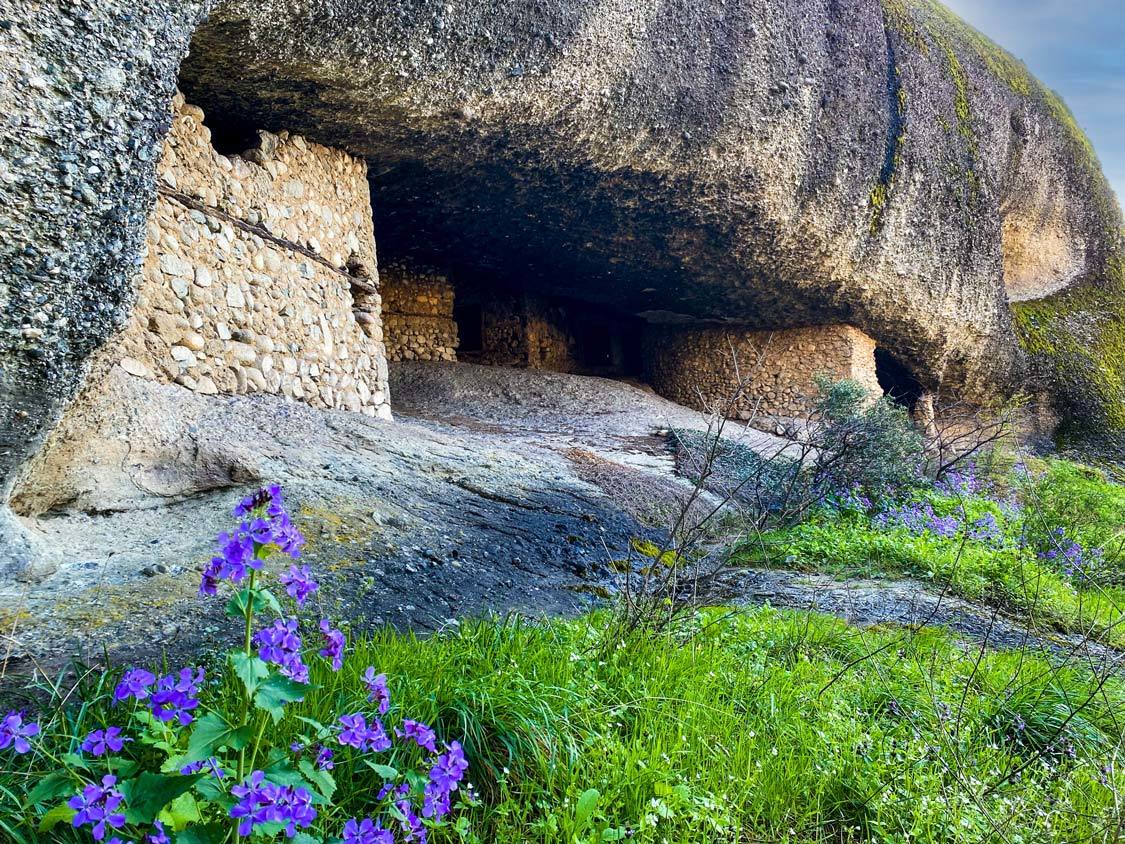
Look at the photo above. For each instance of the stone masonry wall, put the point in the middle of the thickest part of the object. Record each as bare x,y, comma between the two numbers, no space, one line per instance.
700,367
524,330
260,274
418,319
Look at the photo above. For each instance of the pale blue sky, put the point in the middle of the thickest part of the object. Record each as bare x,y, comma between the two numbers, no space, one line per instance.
1076,47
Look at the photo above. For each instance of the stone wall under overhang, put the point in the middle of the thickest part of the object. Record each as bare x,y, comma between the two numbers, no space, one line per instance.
260,274
777,371
418,319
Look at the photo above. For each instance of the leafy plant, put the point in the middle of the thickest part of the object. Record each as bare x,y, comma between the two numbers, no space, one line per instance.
150,758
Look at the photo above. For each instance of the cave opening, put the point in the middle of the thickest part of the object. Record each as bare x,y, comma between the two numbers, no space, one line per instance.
231,134
896,380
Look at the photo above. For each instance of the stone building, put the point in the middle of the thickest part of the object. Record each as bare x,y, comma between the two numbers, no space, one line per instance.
260,274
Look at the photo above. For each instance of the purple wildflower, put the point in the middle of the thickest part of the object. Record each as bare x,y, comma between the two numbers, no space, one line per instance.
387,788
445,775
450,767
98,742
157,836
334,650
1069,556
261,802
265,524
945,527
134,683
298,583
418,733
324,758
281,645
176,695
377,689
96,806
15,732
987,530
212,764
357,734
960,482
366,832
414,830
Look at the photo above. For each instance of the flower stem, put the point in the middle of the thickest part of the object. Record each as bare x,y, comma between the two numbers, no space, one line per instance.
248,610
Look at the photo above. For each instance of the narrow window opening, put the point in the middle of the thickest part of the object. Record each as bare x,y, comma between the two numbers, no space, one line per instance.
231,135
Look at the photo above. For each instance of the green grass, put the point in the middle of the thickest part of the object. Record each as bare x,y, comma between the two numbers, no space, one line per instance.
1082,501
757,726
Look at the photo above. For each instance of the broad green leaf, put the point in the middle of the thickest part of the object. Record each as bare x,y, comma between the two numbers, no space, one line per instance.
211,789
584,810
210,834
147,795
210,733
250,670
614,834
57,815
181,811
276,691
56,784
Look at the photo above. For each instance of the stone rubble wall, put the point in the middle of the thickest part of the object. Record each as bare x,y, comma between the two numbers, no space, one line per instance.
260,274
523,330
417,315
701,367
550,342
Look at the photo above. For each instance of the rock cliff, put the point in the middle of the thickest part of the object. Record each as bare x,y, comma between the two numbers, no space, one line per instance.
771,163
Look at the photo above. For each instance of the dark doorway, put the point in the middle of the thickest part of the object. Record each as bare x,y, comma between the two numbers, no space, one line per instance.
470,334
596,346
896,380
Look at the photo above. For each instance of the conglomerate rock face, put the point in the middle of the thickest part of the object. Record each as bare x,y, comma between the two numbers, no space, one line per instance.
771,163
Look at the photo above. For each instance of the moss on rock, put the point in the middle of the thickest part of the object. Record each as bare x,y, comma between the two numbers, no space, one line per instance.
1077,341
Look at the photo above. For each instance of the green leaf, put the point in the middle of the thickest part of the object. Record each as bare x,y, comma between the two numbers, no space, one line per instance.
614,834
250,670
316,725
56,784
211,790
385,771
584,810
73,760
269,599
211,733
147,795
323,780
260,599
210,834
276,691
181,811
57,815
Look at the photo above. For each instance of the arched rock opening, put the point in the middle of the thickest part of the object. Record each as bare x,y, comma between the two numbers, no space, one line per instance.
896,380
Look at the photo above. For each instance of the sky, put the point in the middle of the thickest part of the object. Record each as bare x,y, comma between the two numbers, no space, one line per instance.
1076,47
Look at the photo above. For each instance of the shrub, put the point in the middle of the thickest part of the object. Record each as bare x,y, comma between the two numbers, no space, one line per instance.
852,449
155,755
